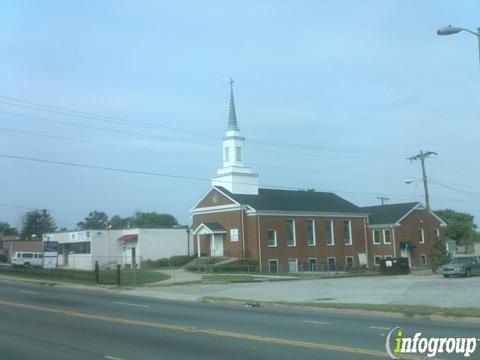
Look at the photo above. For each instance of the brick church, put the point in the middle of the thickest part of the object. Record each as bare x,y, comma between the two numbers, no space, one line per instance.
289,230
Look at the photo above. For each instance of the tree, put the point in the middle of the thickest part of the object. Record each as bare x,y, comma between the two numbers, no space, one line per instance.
117,222
438,254
6,229
96,220
37,222
153,220
459,225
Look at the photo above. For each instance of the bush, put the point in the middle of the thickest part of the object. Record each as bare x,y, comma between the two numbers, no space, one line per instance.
159,263
176,260
180,260
3,258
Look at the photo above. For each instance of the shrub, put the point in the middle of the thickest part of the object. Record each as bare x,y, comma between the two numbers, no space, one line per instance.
180,260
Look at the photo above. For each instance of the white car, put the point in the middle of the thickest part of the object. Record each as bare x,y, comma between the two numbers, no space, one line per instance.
25,258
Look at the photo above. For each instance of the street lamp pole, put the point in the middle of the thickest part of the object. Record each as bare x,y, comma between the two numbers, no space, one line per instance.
450,30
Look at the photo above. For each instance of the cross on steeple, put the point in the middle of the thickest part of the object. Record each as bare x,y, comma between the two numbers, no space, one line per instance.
232,115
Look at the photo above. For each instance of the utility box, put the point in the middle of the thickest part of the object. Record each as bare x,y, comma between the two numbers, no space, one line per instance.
395,266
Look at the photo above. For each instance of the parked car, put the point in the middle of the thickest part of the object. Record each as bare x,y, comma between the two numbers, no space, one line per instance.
464,266
25,258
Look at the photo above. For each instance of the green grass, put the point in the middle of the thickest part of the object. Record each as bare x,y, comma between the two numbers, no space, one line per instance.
107,277
407,310
235,278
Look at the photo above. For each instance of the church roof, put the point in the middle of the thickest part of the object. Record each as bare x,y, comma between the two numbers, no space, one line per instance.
232,115
295,200
388,214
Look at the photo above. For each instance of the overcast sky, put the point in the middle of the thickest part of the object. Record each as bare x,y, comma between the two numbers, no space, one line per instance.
331,95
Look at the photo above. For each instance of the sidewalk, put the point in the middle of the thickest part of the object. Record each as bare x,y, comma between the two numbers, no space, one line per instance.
178,276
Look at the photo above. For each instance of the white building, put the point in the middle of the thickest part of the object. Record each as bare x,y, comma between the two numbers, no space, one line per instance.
81,249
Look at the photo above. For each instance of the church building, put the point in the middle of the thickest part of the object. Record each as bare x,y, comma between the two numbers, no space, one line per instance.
284,230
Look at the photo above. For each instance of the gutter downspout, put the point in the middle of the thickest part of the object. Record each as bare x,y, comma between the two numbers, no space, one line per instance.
258,239
394,244
243,235
366,242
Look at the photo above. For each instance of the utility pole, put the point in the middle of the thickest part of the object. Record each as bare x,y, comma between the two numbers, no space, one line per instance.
422,156
383,199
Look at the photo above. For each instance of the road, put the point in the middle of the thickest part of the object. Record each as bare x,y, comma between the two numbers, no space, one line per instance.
44,322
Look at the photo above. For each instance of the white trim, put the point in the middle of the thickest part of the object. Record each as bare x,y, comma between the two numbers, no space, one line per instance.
216,209
332,232
350,243
209,231
418,206
373,237
307,214
313,231
294,234
208,192
420,258
259,243
374,262
271,260
353,261
316,263
366,241
334,263
394,243
422,240
275,235
382,226
442,223
296,264
390,242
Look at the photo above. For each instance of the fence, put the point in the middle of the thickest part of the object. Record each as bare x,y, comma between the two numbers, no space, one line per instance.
116,276
276,268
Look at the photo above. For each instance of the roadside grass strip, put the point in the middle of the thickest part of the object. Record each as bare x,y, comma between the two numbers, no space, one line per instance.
207,331
425,311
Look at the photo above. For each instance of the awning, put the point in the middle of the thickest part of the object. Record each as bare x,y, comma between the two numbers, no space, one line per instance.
209,228
407,245
128,237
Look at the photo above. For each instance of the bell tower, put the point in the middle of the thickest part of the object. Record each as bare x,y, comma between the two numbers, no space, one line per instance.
234,175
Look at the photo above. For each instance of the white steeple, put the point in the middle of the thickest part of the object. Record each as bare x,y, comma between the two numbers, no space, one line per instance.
234,175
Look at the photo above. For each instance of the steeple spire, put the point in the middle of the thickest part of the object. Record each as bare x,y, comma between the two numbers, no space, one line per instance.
232,115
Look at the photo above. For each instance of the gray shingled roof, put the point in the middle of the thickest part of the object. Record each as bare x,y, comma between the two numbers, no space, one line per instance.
214,226
387,214
295,200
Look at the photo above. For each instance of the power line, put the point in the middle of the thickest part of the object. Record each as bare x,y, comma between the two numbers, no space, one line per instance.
181,177
259,165
154,137
114,119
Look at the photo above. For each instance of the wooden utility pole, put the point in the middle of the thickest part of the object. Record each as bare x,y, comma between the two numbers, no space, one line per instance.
383,199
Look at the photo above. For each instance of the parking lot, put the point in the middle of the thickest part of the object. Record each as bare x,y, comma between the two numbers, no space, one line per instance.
431,290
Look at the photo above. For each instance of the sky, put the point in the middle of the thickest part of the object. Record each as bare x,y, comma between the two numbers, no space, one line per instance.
330,95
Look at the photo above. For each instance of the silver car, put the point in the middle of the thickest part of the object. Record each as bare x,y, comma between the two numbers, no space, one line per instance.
464,266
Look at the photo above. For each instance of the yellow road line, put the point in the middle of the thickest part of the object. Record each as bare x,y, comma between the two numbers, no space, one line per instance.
215,332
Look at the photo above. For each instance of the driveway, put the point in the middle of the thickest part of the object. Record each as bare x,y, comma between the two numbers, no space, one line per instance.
431,290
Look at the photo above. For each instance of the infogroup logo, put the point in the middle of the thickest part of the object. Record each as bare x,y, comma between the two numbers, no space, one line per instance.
397,344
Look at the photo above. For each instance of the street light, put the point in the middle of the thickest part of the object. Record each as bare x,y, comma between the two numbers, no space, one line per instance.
450,30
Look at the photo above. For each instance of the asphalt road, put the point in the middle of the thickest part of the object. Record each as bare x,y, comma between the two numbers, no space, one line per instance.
43,322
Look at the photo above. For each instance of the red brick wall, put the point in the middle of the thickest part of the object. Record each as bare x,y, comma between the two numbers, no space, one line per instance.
302,251
407,231
229,220
208,200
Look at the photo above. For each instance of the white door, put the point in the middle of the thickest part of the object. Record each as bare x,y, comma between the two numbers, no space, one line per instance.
292,265
406,253
216,245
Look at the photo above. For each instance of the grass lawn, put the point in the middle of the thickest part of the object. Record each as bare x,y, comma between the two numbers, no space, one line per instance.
107,277
235,278
407,310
